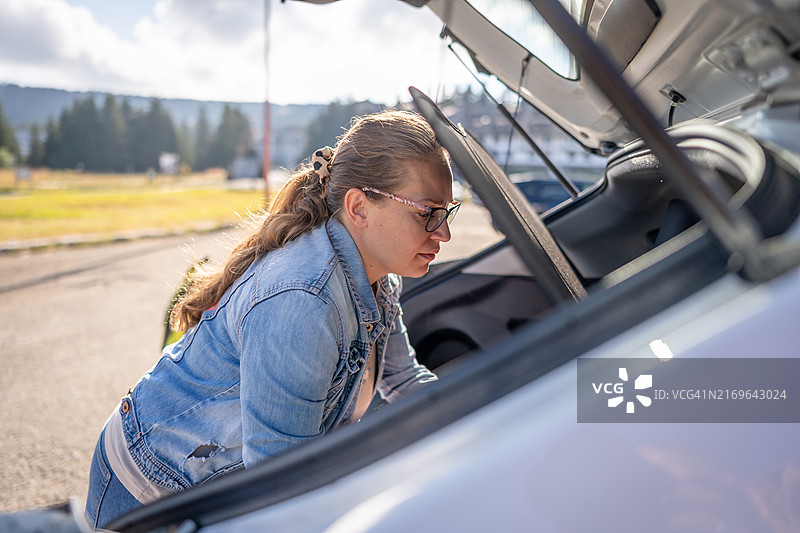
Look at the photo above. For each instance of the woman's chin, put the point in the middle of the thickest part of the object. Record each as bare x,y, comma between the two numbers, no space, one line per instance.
419,272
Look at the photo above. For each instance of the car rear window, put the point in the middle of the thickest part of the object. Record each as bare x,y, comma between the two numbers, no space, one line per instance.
519,20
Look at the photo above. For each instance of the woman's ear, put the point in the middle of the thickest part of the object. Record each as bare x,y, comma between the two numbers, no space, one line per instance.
355,207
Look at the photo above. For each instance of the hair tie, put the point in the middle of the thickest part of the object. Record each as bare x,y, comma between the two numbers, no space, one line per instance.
321,162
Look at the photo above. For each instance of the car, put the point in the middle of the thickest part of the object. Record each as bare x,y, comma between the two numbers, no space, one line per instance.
543,193
627,360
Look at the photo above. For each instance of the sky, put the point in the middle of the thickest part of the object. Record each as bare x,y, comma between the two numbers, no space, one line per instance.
215,49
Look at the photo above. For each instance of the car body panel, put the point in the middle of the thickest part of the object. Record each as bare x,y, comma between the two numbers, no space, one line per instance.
524,463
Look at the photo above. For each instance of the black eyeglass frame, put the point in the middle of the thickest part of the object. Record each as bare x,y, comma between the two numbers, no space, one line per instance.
449,215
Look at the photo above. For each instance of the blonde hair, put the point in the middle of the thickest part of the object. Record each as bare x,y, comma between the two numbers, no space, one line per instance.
372,153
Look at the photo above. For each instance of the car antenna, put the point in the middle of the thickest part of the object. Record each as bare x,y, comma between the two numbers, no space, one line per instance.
676,98
565,182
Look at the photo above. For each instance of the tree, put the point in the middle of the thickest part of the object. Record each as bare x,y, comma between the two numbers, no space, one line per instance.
186,144
53,146
118,138
234,138
332,123
128,119
112,146
8,140
78,136
202,141
152,133
36,148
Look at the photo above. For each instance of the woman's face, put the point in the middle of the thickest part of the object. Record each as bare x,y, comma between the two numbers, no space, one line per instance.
395,239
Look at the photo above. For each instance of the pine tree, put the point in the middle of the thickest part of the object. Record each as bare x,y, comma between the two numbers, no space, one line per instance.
112,147
332,123
128,120
202,141
9,147
79,134
234,138
36,148
152,133
53,146
186,144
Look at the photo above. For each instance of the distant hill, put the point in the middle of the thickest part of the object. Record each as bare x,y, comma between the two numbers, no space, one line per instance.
24,106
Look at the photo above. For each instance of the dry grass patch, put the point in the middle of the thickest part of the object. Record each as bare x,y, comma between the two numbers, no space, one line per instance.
95,208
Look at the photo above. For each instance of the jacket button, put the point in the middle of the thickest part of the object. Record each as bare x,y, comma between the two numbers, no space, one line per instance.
125,407
369,327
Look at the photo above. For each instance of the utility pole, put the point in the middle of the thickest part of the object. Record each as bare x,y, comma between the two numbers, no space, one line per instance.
266,159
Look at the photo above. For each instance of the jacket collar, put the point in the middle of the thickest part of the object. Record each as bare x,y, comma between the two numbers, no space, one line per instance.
353,266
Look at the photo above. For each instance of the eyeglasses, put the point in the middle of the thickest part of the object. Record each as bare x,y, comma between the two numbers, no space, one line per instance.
436,215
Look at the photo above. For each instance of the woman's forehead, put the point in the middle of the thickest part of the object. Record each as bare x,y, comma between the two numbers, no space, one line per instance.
428,182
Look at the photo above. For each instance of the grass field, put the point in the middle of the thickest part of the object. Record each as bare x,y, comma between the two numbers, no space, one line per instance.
58,204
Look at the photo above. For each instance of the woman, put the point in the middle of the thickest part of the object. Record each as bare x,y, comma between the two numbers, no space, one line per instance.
295,334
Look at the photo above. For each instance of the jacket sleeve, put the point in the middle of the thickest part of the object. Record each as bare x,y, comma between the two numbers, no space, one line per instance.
289,356
402,373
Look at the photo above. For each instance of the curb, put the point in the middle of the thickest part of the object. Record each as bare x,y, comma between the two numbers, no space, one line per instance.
28,245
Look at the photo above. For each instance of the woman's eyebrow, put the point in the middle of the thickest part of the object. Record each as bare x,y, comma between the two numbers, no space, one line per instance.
437,203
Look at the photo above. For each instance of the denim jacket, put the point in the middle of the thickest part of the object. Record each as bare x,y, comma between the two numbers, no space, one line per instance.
276,363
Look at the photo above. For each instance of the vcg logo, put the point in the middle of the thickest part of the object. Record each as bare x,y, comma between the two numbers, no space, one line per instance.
644,381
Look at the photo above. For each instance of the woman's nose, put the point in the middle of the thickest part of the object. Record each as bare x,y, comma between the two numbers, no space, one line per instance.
442,233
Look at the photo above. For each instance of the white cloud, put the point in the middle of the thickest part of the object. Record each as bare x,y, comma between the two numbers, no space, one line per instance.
199,53
48,43
214,50
359,49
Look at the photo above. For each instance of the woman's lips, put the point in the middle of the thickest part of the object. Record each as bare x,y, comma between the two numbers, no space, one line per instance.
429,257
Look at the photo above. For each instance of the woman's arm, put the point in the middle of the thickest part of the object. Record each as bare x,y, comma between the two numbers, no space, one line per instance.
402,373
289,354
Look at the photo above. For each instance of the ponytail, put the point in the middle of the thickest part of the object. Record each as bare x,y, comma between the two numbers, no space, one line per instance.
299,207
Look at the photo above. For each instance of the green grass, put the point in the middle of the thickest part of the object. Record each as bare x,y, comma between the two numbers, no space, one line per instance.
48,213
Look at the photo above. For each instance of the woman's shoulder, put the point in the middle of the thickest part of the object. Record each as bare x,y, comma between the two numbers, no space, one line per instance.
305,263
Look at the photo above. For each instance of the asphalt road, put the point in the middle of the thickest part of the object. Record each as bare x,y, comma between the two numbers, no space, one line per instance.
80,325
